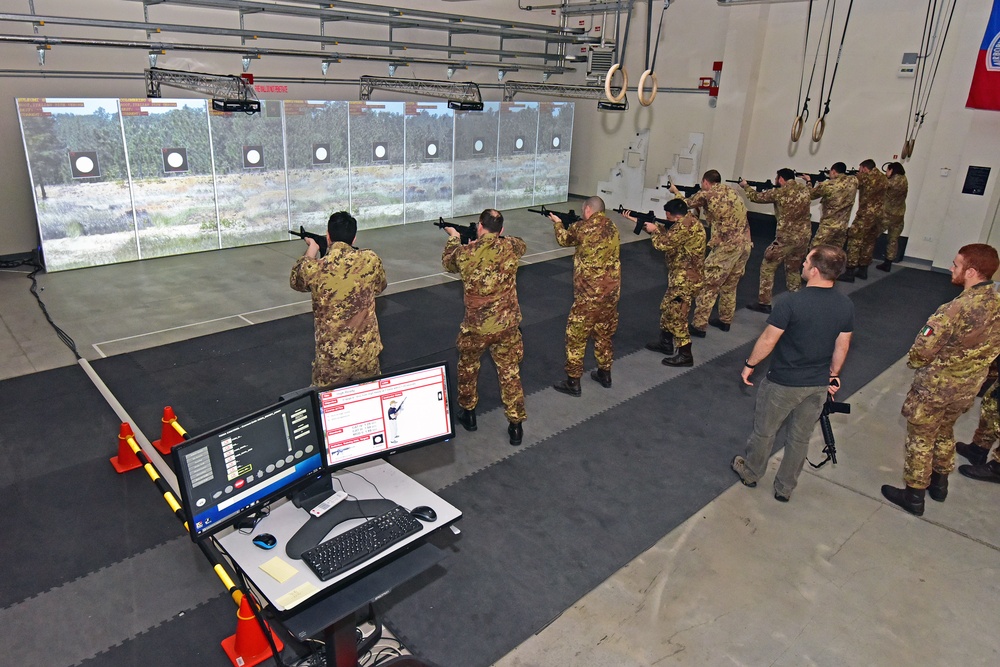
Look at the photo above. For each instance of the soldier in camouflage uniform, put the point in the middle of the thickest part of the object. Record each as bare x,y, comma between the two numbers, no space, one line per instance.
951,356
729,249
597,281
683,245
791,239
978,451
488,267
894,209
344,284
837,196
872,185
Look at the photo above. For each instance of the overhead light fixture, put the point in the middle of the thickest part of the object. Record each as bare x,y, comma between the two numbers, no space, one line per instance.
392,69
152,58
246,61
465,105
451,72
41,53
325,66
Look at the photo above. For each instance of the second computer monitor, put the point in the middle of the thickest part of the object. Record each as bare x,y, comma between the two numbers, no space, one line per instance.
397,411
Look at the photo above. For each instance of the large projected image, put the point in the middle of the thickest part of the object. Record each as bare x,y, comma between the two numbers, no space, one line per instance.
429,170
172,185
377,163
250,176
120,180
516,154
318,160
476,159
80,181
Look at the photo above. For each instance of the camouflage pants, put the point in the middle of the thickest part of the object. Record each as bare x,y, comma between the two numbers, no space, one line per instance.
674,311
599,320
724,267
861,242
507,350
930,441
989,422
779,253
327,371
893,226
829,234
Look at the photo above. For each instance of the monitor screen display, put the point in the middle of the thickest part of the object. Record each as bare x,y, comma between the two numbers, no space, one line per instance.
370,419
227,472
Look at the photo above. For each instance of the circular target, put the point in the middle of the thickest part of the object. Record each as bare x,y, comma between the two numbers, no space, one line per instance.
478,146
84,164
432,149
253,156
380,151
555,142
175,160
519,144
322,154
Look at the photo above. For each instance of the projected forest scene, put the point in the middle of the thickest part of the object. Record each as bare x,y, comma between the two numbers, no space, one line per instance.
117,180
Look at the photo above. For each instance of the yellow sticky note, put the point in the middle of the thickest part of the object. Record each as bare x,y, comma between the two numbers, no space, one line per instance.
280,570
297,595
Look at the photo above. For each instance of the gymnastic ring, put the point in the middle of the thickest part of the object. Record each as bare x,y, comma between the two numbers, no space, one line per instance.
607,83
642,84
903,154
909,147
800,122
819,128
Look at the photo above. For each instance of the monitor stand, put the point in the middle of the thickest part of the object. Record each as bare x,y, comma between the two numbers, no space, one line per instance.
316,528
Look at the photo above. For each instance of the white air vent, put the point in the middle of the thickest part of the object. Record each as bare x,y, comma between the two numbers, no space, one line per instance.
599,61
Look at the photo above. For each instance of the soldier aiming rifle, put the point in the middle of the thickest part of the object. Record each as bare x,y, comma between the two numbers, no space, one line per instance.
641,218
759,186
465,232
319,239
566,219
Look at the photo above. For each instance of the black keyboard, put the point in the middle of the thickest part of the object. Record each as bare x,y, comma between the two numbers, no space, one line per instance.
342,552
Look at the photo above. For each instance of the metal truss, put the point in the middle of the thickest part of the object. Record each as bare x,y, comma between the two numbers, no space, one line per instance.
460,92
221,86
512,88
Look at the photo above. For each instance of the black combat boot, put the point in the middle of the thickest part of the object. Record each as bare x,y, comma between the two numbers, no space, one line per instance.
719,324
516,433
862,272
695,331
604,377
884,266
910,499
938,490
975,454
569,386
467,418
848,275
682,357
665,345
984,472
759,307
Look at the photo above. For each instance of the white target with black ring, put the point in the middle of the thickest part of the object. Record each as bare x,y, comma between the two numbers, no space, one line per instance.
253,157
84,164
175,160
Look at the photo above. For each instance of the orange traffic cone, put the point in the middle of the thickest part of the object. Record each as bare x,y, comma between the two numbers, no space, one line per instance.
249,647
171,434
126,459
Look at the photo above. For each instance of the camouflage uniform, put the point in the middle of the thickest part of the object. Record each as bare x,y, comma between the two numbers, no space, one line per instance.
729,250
894,209
344,284
951,356
492,314
684,248
989,421
837,195
867,223
791,240
597,284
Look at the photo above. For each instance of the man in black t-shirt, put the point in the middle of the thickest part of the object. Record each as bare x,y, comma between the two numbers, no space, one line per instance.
810,333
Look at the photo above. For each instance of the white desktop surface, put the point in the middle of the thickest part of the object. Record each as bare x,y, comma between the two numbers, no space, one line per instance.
285,519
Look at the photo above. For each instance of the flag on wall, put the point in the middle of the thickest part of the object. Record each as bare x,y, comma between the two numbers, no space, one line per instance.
985,90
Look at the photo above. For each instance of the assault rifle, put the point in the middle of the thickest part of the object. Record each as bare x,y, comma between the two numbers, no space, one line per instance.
759,186
688,190
466,233
303,234
566,219
818,177
641,218
830,407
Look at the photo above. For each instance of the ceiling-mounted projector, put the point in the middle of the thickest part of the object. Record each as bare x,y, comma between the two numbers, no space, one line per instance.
236,106
463,105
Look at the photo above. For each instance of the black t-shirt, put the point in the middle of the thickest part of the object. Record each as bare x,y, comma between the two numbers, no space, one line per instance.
811,318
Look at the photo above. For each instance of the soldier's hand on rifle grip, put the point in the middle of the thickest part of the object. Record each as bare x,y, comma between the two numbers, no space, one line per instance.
650,227
312,248
834,384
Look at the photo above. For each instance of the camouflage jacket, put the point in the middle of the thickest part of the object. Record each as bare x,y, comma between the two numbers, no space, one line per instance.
684,248
597,268
953,351
895,195
871,195
791,208
344,284
726,214
489,270
837,195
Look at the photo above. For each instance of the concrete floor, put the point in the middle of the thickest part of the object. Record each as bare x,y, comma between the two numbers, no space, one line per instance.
835,577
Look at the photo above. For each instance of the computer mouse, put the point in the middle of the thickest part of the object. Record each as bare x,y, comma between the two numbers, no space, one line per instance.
424,513
265,540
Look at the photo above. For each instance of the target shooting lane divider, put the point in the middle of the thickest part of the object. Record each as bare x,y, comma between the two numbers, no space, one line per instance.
248,646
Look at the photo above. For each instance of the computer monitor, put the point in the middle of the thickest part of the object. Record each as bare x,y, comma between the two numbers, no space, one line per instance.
230,471
395,412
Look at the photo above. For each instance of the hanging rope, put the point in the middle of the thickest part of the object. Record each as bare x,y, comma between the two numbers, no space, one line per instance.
646,101
921,93
620,55
820,125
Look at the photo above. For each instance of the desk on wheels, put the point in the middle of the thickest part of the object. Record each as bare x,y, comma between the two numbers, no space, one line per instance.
308,606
